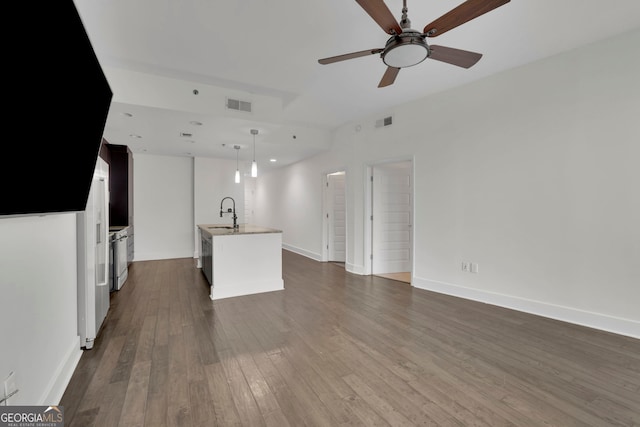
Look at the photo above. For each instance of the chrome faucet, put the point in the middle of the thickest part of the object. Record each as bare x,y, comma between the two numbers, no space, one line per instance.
229,210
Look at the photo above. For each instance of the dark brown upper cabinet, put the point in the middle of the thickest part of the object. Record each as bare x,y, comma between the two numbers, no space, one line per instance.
120,161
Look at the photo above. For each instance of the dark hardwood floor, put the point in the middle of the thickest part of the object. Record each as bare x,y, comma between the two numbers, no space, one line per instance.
337,349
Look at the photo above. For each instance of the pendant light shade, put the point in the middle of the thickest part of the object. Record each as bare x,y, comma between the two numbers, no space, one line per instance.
254,165
237,178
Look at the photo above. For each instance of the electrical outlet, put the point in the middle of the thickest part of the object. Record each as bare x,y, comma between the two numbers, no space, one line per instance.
465,267
10,388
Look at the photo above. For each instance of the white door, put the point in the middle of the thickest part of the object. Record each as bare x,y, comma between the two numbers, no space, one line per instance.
336,218
391,223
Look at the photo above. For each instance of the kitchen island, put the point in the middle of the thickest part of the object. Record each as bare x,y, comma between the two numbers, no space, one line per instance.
240,261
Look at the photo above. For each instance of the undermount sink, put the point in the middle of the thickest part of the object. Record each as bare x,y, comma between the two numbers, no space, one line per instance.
221,226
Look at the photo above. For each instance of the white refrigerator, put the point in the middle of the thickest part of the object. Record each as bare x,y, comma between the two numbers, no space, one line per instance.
93,258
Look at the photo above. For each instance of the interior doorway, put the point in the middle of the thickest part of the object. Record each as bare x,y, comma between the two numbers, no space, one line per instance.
391,220
335,218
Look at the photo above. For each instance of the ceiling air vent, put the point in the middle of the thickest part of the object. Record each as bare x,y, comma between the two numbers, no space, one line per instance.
186,135
236,104
387,121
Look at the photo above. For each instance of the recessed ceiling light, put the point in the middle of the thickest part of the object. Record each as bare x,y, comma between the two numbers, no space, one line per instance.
273,160
195,123
127,114
133,135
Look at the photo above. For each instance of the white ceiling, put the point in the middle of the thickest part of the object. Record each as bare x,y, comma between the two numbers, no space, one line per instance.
268,51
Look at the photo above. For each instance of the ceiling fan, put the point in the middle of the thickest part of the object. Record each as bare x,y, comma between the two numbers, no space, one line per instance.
407,47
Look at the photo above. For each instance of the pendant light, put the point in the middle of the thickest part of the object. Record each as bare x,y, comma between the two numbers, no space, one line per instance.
237,147
254,165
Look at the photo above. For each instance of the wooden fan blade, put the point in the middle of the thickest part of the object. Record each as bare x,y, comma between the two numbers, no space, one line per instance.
346,56
463,13
389,76
461,58
382,15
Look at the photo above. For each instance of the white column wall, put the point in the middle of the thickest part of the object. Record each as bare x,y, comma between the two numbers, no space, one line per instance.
163,207
38,306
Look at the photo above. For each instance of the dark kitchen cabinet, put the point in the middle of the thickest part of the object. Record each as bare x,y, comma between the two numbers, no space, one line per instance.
120,160
206,257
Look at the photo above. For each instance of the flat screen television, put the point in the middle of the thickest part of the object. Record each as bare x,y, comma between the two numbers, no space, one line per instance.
58,98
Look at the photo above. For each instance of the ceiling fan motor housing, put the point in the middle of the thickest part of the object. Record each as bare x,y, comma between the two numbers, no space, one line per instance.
406,49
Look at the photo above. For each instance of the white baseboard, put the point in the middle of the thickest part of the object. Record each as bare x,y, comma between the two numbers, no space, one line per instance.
351,268
314,256
355,269
235,289
62,375
603,322
154,256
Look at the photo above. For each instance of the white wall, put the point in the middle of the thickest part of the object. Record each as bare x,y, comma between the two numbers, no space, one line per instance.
38,306
172,195
163,207
537,183
294,198
290,199
249,195
532,174
213,181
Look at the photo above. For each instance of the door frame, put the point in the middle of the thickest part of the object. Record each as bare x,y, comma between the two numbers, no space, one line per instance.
368,211
325,204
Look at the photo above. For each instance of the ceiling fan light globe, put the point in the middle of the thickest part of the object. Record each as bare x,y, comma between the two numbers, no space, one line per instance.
402,52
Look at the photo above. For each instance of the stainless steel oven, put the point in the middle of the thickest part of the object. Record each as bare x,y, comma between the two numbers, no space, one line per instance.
120,270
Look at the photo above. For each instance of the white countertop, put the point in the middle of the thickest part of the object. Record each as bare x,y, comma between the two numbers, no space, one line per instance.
228,230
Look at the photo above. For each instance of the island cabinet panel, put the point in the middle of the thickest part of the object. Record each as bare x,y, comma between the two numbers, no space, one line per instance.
206,258
242,261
